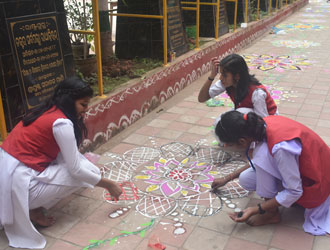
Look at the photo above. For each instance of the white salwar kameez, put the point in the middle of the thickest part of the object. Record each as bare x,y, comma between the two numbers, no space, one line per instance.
278,176
23,189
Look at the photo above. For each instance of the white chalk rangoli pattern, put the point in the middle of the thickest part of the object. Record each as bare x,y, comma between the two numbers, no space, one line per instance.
158,185
130,195
278,93
306,20
212,155
232,190
268,62
119,171
141,155
295,43
171,178
156,206
176,149
204,204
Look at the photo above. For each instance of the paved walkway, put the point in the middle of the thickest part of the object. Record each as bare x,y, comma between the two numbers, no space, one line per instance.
176,207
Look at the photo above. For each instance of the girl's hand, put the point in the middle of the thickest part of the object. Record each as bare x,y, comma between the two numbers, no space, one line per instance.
244,215
214,67
113,188
219,182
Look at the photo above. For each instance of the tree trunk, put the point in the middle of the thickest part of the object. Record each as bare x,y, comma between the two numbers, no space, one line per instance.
105,31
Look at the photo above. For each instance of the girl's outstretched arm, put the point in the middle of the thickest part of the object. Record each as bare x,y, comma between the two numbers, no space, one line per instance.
219,182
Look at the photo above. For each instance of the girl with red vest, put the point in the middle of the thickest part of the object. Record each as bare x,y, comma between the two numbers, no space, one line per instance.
290,165
40,164
243,89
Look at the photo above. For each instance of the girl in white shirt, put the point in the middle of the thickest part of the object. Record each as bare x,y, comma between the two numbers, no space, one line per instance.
289,165
40,164
244,89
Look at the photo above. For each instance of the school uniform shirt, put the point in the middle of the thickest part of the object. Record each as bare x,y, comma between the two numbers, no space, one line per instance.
292,167
277,175
23,188
259,99
313,166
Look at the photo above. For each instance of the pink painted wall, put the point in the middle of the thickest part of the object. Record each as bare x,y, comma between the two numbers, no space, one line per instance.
113,114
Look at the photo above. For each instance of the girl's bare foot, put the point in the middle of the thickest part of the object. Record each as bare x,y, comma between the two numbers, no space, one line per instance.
38,217
270,217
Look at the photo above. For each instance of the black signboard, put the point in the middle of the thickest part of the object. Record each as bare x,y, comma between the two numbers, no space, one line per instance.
207,22
38,56
240,10
143,37
177,38
223,18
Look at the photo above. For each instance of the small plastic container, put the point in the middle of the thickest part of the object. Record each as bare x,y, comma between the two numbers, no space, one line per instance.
154,243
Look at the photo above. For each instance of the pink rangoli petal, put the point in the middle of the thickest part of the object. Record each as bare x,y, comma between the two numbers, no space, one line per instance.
168,191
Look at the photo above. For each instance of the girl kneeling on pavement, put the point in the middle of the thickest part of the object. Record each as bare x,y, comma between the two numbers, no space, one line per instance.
40,164
290,165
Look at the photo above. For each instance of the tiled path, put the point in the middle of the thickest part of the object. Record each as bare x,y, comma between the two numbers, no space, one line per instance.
298,76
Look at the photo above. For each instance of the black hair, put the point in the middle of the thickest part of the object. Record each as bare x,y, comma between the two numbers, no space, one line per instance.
64,97
236,64
232,126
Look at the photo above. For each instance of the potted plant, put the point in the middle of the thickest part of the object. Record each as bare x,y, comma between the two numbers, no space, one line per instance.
79,17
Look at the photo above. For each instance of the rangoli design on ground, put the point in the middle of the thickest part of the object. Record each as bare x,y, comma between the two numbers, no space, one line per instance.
204,204
176,149
300,27
232,190
295,43
310,10
278,94
130,194
119,171
269,62
119,212
141,155
178,225
220,100
171,178
308,20
177,178
312,15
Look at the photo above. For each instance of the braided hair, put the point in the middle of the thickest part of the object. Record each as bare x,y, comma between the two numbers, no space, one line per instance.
236,64
232,126
64,97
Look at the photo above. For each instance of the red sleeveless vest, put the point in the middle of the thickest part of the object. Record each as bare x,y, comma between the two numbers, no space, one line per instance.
35,145
247,101
313,162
